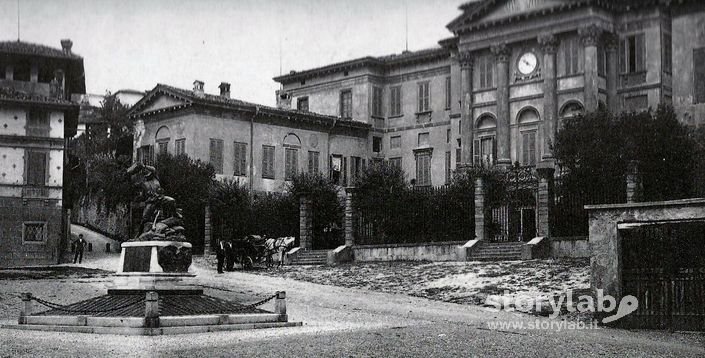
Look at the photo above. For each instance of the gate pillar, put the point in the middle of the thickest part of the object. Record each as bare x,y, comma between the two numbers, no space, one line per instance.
305,222
545,199
480,232
349,229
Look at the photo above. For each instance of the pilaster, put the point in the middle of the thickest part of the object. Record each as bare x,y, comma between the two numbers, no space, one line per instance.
545,199
466,62
590,36
502,53
549,46
611,46
305,222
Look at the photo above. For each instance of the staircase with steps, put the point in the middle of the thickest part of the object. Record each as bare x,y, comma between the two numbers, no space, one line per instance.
497,251
311,257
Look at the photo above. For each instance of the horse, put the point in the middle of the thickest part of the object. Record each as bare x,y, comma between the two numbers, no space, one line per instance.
279,247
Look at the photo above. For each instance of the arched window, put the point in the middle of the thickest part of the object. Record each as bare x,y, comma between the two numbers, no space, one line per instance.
292,144
571,109
528,119
485,145
162,139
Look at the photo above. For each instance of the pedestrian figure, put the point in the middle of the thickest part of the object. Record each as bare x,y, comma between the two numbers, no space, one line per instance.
79,245
220,255
229,256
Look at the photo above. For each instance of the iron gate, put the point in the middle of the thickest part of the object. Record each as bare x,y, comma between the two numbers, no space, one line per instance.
663,266
514,205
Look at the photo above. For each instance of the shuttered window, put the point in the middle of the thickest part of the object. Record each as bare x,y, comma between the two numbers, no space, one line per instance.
448,93
377,101
313,162
423,169
38,123
528,151
216,155
424,97
699,74
395,162
484,151
291,163
346,104
146,155
485,68
448,168
571,56
395,101
632,54
240,159
267,162
180,146
163,147
36,168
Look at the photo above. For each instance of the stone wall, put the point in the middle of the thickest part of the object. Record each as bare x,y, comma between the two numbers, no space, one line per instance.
431,251
115,225
573,246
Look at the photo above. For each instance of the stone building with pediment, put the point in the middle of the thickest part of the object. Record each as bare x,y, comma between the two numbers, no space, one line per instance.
495,92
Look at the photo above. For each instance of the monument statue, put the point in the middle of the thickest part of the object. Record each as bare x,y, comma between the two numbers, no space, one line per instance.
161,219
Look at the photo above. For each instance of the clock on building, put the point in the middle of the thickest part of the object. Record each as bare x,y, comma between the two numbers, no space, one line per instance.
527,63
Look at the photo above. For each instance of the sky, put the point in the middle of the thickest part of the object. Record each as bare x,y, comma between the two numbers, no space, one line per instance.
135,44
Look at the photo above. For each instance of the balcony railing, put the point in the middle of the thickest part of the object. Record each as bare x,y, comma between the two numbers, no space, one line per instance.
35,192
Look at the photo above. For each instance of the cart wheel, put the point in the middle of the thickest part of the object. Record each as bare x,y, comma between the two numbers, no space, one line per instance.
247,263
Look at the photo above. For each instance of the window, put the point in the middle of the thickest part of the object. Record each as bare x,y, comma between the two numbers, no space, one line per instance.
240,159
448,169
377,101
485,69
180,146
458,155
632,54
423,139
528,151
448,93
291,163
302,104
601,61
38,123
146,155
33,232
216,155
395,142
346,104
667,53
571,56
395,162
36,168
484,151
376,144
336,168
313,160
448,135
636,103
268,162
162,147
355,168
423,169
699,74
395,101
424,97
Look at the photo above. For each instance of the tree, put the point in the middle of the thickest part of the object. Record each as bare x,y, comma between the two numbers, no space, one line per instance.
597,147
327,209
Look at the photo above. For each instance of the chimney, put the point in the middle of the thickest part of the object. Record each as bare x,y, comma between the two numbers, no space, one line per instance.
66,45
198,88
224,89
283,100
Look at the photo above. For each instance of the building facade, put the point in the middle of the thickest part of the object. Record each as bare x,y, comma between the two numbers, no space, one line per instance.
36,118
260,146
496,91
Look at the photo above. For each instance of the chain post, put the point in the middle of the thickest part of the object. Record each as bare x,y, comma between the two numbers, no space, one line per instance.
151,310
280,305
26,308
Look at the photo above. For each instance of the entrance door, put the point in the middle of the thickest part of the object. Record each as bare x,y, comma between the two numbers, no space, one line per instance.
663,266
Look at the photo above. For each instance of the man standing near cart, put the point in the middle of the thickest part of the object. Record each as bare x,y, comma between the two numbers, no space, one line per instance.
78,246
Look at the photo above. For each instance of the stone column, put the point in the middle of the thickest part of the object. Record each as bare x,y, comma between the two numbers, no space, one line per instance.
501,53
151,310
207,248
545,199
305,222
633,181
590,36
26,308
466,62
549,44
349,219
480,233
611,45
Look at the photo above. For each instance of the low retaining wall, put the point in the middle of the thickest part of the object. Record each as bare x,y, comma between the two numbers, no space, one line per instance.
431,251
571,246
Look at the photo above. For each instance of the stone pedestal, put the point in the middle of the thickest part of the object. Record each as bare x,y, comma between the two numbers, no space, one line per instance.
161,266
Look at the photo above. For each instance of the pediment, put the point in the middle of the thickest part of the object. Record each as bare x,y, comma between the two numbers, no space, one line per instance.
492,10
157,100
162,101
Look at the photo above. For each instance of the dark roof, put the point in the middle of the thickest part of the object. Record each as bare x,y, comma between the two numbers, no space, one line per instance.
26,48
209,100
404,58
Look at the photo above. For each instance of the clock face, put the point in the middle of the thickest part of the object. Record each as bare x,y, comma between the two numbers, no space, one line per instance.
527,63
